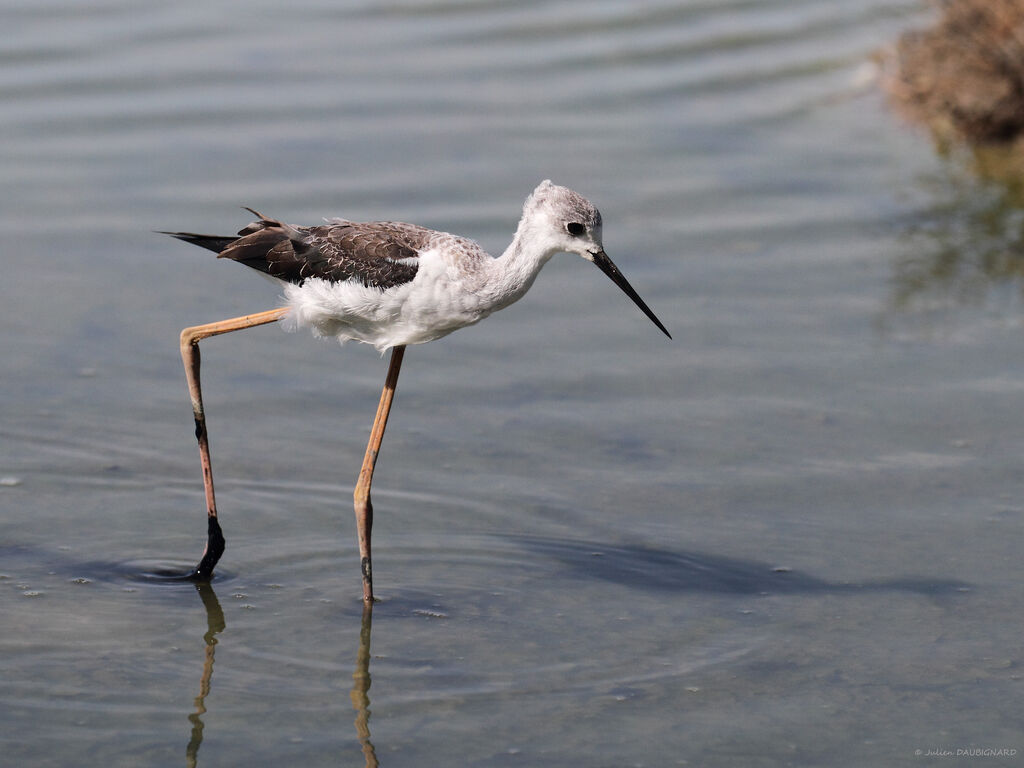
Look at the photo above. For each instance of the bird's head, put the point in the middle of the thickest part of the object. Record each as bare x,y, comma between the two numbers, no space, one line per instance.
570,223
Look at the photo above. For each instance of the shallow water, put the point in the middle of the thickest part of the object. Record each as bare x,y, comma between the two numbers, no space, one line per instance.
791,536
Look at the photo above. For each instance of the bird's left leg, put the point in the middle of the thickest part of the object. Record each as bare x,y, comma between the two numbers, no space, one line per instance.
363,507
190,338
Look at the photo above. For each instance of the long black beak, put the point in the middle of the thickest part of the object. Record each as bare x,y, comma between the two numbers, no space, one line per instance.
605,264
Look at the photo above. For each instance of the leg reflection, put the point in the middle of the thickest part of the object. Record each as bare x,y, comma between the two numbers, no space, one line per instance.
361,688
215,625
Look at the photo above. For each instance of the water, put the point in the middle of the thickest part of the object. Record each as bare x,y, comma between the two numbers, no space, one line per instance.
791,536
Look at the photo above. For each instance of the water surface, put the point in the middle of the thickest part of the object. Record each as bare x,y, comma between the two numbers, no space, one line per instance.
791,536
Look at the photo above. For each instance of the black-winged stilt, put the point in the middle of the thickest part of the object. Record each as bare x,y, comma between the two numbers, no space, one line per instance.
388,284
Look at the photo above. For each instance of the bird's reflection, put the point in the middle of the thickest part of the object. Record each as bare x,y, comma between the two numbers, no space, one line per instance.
361,689
214,626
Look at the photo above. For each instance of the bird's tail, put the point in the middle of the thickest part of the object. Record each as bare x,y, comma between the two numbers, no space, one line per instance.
257,245
220,243
215,243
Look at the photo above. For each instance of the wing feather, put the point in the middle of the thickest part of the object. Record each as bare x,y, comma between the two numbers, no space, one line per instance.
379,254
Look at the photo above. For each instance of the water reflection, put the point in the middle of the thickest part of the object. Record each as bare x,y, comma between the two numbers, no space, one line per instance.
361,688
214,626
969,241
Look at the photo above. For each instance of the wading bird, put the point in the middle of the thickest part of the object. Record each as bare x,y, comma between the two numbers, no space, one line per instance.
388,284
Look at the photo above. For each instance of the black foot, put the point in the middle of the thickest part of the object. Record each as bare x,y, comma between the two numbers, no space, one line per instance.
214,549
367,569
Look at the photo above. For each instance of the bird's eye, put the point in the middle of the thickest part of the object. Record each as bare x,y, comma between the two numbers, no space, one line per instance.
575,229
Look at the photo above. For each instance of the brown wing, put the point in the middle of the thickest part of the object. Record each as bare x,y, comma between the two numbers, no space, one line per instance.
378,254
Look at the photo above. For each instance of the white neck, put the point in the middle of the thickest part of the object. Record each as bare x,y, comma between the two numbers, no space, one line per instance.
512,273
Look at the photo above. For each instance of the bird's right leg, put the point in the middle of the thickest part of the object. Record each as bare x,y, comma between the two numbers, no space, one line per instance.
363,505
190,338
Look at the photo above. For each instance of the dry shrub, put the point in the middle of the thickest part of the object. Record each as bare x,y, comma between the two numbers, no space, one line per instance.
964,75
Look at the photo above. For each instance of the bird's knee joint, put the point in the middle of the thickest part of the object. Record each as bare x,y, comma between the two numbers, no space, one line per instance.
189,339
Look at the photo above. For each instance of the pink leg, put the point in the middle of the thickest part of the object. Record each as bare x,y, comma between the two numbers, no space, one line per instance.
190,338
363,507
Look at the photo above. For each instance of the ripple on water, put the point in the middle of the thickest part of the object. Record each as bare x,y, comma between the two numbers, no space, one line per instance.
162,571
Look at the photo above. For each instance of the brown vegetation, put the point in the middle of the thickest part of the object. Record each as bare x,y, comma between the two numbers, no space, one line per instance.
963,76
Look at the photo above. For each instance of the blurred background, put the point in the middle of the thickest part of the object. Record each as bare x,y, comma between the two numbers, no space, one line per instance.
789,536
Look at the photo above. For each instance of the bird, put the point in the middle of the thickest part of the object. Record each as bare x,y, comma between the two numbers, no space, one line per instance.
389,284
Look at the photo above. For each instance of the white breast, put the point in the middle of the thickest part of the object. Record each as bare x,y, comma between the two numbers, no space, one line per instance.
432,305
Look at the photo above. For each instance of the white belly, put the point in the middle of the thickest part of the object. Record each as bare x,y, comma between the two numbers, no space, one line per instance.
432,305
